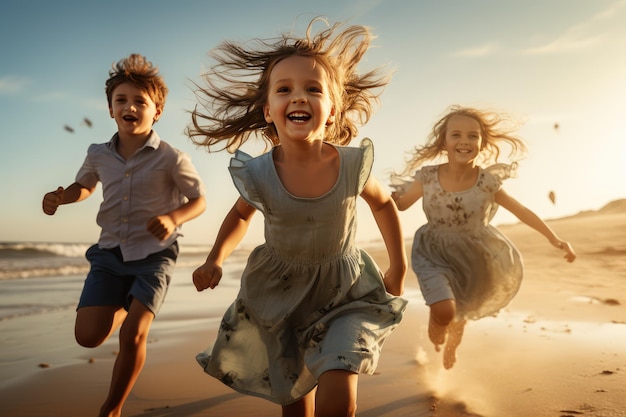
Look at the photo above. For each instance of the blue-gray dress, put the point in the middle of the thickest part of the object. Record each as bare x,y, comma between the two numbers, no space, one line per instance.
310,300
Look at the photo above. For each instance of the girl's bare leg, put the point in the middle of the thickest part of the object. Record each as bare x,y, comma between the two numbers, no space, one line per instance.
455,335
304,407
336,394
441,315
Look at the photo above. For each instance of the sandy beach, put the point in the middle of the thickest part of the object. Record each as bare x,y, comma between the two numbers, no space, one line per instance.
559,349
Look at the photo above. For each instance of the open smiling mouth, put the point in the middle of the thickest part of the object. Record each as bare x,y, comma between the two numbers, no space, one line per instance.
298,117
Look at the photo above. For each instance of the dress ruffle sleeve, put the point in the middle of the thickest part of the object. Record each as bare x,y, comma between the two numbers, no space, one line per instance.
368,161
401,184
243,179
501,172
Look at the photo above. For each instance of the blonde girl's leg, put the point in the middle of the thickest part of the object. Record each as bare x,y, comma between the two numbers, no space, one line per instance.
442,313
455,335
304,407
336,394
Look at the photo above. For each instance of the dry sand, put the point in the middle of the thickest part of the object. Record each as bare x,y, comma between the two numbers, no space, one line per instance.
559,349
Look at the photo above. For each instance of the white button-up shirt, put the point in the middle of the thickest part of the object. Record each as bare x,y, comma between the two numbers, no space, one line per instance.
155,180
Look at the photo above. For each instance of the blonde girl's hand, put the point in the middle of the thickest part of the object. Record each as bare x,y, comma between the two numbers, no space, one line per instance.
570,255
52,201
207,276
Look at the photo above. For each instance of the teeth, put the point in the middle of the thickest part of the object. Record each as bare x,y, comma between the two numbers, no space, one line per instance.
298,115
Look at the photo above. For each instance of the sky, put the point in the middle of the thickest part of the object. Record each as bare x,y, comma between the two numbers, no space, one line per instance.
546,62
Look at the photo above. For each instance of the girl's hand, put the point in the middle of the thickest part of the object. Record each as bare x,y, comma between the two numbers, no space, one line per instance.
207,276
52,201
570,255
394,282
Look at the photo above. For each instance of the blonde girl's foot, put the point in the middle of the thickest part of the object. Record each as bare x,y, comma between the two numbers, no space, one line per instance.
455,335
437,333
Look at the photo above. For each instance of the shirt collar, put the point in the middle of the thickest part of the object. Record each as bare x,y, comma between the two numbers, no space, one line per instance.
153,141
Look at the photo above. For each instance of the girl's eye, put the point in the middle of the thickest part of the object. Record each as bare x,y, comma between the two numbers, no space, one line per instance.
315,90
282,90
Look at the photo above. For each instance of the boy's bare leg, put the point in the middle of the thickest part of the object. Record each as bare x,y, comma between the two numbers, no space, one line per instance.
455,335
130,360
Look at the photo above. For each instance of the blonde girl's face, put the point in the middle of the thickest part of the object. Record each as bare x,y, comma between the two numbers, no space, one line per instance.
463,140
299,102
133,111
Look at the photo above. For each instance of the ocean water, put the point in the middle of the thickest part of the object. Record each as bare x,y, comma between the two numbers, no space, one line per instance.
39,277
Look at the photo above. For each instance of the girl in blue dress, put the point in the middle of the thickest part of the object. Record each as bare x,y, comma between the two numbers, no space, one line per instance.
313,309
466,268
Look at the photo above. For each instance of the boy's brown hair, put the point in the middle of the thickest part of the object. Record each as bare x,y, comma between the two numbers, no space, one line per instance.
140,72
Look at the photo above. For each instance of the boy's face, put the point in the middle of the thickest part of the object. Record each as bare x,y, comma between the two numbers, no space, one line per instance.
133,111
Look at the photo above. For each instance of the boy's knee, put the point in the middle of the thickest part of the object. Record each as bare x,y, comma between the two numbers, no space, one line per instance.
88,339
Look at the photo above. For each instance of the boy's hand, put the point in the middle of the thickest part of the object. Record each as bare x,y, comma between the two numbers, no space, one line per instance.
52,201
207,276
161,227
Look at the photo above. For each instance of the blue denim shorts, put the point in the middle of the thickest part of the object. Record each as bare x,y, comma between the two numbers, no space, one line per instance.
113,282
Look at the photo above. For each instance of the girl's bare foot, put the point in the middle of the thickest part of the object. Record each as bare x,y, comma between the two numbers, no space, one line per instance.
455,335
437,333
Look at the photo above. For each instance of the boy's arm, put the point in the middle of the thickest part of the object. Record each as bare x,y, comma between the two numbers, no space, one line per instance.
231,232
386,216
72,194
164,225
531,219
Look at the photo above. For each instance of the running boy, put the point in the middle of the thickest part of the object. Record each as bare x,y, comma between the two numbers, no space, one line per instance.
149,190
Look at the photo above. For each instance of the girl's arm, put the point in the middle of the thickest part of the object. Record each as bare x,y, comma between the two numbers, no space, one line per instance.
412,194
231,232
386,216
531,219
162,226
72,194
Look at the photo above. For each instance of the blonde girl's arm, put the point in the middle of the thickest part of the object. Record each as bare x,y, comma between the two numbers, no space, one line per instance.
414,192
232,231
386,216
531,219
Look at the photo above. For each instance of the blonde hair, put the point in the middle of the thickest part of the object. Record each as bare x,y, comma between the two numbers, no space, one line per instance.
496,129
237,86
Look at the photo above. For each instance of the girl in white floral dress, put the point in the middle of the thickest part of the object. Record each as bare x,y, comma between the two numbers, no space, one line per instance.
313,309
466,268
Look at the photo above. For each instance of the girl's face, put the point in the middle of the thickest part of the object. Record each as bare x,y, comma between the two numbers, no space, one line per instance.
463,139
299,102
133,111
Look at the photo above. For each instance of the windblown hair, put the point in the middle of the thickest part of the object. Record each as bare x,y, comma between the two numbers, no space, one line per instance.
237,86
496,129
140,72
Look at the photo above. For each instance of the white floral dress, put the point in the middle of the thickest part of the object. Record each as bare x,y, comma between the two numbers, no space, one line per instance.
310,300
458,254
